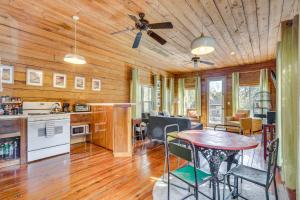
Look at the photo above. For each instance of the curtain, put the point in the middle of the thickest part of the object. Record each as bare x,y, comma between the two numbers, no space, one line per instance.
154,92
171,97
235,92
264,80
278,101
289,100
136,94
180,96
198,95
164,94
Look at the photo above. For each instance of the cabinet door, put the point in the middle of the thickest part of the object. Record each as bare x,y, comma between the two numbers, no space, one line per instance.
99,128
109,127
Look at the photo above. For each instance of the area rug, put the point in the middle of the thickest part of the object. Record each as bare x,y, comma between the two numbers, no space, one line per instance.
160,191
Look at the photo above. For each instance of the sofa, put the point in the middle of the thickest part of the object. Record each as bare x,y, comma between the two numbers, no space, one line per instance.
156,125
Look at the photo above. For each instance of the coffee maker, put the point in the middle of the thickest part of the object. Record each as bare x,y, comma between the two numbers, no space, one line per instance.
65,107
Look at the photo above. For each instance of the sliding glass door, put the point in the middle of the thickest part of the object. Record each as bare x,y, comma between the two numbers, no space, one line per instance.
215,101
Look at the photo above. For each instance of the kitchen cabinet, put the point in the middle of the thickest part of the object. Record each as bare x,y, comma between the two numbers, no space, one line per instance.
111,126
12,127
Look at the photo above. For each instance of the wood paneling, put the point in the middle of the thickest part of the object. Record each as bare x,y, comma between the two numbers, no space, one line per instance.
249,75
39,33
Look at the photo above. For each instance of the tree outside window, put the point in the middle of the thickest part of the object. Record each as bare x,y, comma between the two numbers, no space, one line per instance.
246,97
146,99
189,99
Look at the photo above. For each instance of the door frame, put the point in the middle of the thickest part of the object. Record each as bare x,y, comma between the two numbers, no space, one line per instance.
216,78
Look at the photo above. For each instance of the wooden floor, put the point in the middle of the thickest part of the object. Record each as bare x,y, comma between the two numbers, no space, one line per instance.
91,172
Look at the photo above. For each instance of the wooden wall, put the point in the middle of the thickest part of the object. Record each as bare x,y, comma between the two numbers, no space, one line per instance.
249,75
40,41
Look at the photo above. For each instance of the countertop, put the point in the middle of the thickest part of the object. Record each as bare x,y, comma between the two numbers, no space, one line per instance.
7,117
111,104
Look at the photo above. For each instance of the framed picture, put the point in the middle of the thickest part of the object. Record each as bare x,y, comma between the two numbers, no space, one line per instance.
7,74
59,80
96,84
79,82
34,77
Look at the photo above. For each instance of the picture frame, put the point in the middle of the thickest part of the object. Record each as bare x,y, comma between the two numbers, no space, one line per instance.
7,74
96,84
79,83
59,80
34,77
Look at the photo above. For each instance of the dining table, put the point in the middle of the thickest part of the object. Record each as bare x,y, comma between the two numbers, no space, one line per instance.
216,147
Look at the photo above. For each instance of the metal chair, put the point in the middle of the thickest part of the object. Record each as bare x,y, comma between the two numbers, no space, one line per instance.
138,130
190,173
256,176
174,130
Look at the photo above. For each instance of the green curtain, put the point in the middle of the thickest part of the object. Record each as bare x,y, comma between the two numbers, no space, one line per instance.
235,92
135,94
289,100
164,94
154,92
264,80
171,97
180,96
198,94
278,101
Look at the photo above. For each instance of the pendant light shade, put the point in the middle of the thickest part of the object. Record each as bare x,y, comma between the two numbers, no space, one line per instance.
202,45
74,58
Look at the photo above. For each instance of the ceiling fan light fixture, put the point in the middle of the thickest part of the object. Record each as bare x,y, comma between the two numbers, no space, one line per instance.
202,45
74,58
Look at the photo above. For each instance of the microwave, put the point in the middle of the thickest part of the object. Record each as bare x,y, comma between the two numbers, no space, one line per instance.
81,108
80,129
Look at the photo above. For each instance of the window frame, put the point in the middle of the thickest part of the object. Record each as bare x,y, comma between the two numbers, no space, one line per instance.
143,101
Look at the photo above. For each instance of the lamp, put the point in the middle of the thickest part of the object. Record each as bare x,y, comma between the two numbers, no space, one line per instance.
202,45
74,58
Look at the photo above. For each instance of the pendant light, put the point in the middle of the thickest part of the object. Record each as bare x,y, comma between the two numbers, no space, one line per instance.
74,58
202,45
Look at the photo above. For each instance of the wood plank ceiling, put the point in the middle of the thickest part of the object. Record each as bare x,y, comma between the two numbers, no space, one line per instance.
248,28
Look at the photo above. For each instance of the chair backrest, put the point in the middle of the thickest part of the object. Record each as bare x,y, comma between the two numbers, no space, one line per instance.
244,111
272,160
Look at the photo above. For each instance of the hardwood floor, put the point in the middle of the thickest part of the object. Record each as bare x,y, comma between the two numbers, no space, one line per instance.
91,172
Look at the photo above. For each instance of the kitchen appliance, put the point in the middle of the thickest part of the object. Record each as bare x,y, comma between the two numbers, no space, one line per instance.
65,107
81,108
80,130
48,133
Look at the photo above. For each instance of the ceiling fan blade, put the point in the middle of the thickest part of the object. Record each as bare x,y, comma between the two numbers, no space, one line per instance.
163,25
135,19
137,40
206,62
123,31
156,37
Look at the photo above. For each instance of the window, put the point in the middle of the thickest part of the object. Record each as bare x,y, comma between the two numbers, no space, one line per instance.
246,95
189,99
146,99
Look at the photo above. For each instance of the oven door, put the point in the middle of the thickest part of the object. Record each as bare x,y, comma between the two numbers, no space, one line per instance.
38,138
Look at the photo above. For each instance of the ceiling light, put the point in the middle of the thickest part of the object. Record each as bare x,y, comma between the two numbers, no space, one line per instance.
202,45
74,58
232,53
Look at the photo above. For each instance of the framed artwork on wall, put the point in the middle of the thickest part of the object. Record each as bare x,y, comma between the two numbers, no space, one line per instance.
34,77
7,74
59,80
79,82
96,84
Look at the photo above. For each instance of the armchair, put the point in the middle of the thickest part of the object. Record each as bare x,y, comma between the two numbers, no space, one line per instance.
245,123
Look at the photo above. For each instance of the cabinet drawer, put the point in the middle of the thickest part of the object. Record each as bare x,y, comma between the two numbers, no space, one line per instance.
98,108
9,126
78,118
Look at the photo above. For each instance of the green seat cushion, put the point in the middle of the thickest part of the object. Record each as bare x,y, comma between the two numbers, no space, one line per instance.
174,134
187,174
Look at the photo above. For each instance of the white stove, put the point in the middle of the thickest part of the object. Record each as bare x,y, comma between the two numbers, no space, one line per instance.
48,134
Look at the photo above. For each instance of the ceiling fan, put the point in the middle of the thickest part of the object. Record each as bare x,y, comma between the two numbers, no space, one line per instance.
196,61
143,25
